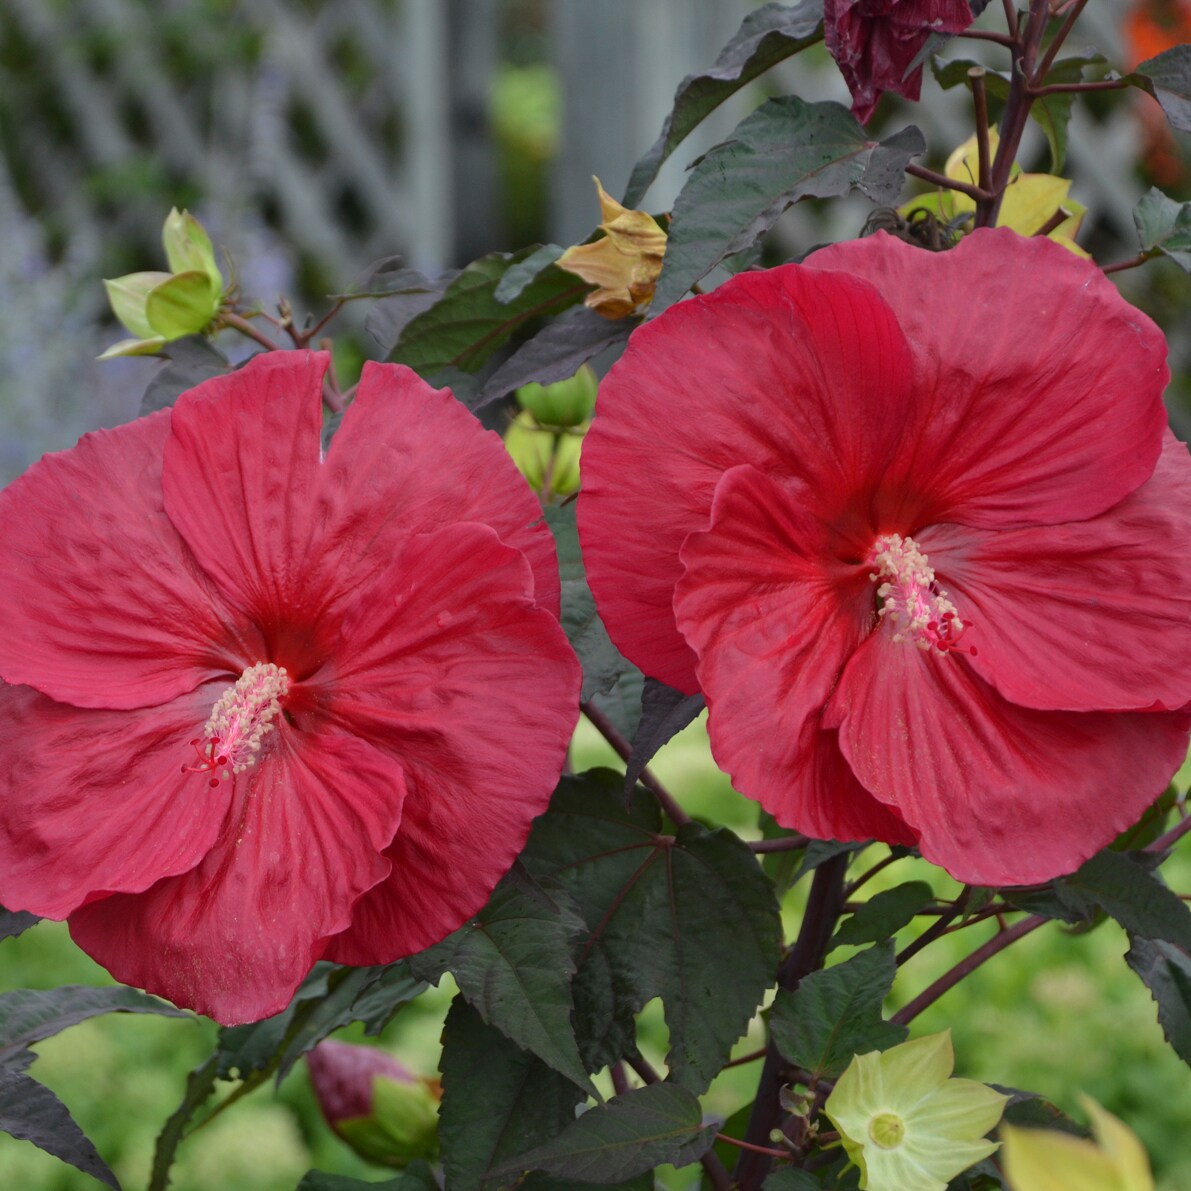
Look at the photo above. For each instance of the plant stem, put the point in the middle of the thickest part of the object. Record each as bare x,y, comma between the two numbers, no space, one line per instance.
935,178
806,956
1171,837
230,319
980,100
787,843
1075,88
607,729
936,929
1052,51
868,874
965,967
1132,263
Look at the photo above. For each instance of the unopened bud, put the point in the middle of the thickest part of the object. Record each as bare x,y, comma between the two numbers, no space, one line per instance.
564,403
548,457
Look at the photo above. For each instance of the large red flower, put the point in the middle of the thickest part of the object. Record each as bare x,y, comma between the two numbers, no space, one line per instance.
916,527
874,43
268,707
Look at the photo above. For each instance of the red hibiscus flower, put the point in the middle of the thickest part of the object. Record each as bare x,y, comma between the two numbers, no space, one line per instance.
874,41
268,707
916,527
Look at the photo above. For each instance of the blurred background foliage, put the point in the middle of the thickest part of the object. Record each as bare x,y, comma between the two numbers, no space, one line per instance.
314,136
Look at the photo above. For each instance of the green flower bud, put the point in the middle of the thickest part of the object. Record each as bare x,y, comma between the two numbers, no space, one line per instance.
548,457
188,248
383,1111
565,403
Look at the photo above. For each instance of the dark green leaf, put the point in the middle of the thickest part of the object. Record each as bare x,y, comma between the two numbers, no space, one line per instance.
1052,112
14,922
835,1014
467,324
884,914
664,713
408,294
379,1002
1166,972
417,1176
32,1112
622,704
1167,78
513,963
497,1101
200,1084
627,1136
984,1176
1164,226
665,916
786,150
556,352
820,851
29,1015
512,285
767,36
786,1178
603,664
189,362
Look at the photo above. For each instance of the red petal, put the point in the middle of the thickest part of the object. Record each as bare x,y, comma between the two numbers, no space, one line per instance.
94,802
800,373
773,619
1038,390
104,606
1085,616
234,937
459,672
240,473
412,458
1000,794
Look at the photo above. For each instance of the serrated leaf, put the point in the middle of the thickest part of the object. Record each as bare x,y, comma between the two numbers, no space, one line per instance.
32,1112
664,915
664,713
406,294
1166,971
463,328
29,1015
1164,225
556,352
200,1084
1167,77
835,1014
771,34
189,362
883,915
377,1004
513,964
15,922
603,664
627,1136
786,150
498,1101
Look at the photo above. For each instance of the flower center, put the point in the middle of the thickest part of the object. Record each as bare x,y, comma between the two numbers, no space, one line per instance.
912,602
887,1130
240,721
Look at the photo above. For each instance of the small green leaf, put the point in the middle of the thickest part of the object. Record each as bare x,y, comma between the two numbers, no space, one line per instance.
786,150
771,34
513,963
631,1134
836,1013
1167,77
1166,972
884,914
1164,226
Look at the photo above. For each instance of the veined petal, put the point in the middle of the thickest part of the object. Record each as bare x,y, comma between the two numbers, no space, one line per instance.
410,459
769,369
1087,615
449,662
239,476
234,937
104,604
1000,794
96,801
1010,428
773,617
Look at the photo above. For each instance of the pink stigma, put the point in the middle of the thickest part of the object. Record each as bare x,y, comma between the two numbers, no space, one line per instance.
239,722
912,602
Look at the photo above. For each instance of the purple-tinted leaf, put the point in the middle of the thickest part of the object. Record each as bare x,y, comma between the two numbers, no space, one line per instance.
664,713
189,362
1166,971
13,922
1167,77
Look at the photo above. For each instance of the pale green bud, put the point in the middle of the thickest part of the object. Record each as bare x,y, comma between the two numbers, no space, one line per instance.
564,403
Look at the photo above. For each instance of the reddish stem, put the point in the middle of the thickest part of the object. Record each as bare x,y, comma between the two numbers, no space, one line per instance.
229,318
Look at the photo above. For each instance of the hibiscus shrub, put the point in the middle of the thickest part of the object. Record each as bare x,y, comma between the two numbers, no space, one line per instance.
292,670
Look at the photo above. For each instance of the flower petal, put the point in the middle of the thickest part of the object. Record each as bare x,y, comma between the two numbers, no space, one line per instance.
1001,794
1087,615
769,369
449,662
411,458
240,472
234,937
960,1110
773,617
1012,428
104,605
96,801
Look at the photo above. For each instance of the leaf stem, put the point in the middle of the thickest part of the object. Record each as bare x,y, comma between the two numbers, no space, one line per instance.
1172,837
1075,88
936,179
787,843
1132,263
229,318
868,874
607,729
937,928
1052,51
980,101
